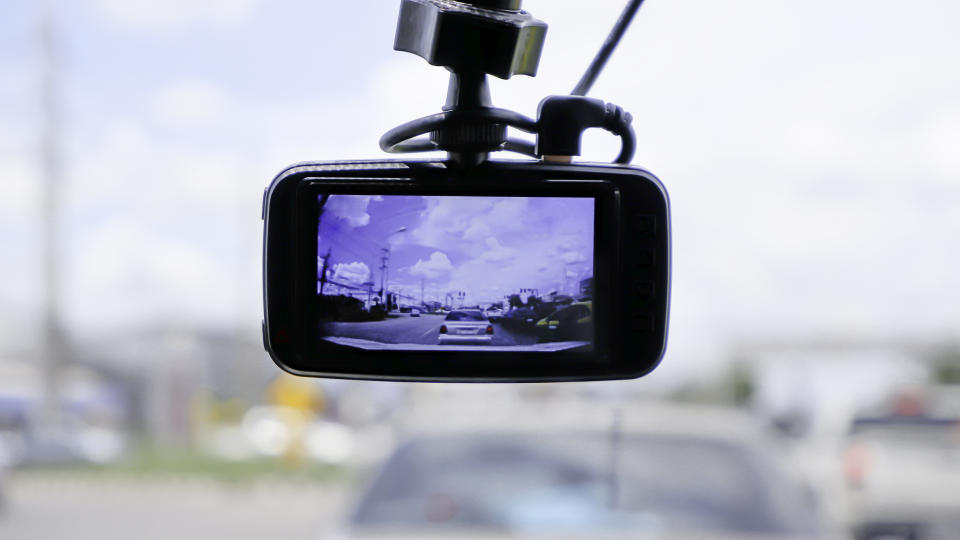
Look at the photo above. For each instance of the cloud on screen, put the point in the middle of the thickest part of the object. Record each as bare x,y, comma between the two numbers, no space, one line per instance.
354,273
436,266
498,245
352,209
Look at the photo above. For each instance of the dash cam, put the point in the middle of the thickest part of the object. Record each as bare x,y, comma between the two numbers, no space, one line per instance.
470,269
415,270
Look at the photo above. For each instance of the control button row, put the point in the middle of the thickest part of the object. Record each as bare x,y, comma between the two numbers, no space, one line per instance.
644,290
645,225
645,258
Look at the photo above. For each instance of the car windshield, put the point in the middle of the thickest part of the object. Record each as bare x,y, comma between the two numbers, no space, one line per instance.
564,482
811,155
466,316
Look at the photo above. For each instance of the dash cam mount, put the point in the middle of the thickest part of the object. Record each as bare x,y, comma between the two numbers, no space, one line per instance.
473,39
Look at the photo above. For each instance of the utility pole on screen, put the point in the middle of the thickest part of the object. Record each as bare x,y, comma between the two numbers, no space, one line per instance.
383,271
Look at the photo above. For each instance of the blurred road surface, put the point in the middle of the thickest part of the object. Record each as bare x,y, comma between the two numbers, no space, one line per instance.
422,330
53,506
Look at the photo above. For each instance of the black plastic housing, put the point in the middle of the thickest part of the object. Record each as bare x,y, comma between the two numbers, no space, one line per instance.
478,37
631,270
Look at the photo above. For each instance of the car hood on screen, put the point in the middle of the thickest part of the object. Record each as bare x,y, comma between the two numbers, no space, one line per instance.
369,345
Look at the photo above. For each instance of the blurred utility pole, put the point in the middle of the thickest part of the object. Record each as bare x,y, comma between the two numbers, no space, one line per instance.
53,349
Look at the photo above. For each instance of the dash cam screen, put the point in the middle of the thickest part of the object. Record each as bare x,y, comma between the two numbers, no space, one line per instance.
401,272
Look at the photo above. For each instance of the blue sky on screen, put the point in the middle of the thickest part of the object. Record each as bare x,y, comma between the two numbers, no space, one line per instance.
487,247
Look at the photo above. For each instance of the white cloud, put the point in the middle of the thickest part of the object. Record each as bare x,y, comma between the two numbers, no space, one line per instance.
21,188
125,271
190,104
478,230
173,15
355,273
109,162
351,208
509,213
447,220
507,243
941,137
436,266
571,257
496,252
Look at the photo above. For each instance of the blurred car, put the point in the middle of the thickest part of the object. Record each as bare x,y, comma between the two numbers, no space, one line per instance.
570,323
623,481
494,314
466,326
414,312
903,477
520,318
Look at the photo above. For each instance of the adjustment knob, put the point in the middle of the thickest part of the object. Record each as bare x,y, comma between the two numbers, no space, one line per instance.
487,36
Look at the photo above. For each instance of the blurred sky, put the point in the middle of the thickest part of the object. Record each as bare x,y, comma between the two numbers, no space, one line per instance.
811,150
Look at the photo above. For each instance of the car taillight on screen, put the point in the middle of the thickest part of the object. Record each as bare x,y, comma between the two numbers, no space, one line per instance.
443,329
489,329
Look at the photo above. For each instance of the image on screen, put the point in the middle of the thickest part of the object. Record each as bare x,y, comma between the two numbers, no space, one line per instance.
401,272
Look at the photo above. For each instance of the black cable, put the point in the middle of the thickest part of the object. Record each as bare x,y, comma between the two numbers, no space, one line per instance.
520,147
420,144
620,123
563,119
628,141
400,139
599,61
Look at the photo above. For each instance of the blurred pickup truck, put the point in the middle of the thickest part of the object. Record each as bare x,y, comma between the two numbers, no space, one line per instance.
903,477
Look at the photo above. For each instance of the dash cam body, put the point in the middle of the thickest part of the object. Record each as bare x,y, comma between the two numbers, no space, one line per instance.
470,269
504,271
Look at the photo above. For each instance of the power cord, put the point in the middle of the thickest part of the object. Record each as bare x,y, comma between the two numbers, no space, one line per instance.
563,119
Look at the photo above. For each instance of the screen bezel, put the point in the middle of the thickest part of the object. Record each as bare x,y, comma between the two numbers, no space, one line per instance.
420,363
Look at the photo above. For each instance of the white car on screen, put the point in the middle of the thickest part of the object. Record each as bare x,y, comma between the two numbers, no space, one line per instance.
494,314
466,326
